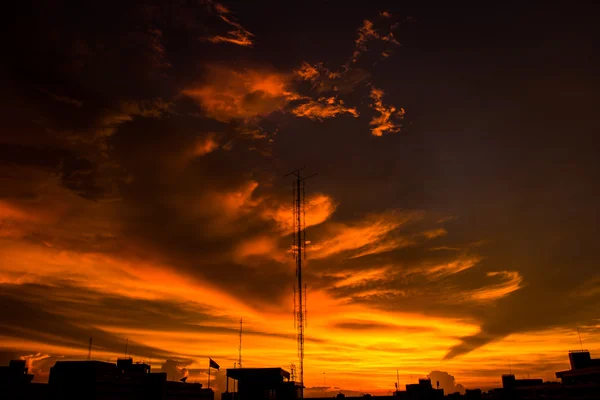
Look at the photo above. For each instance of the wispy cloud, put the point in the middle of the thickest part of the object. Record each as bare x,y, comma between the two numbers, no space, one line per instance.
62,98
323,108
228,94
389,116
368,33
238,35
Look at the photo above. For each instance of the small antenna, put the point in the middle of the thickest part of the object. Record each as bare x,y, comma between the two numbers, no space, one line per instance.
293,372
580,342
397,380
240,348
90,350
126,346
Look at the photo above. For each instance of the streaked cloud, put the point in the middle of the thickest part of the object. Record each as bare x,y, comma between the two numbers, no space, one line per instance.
509,282
62,98
323,108
237,34
363,237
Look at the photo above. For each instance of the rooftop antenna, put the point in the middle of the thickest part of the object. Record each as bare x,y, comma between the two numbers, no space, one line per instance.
298,246
90,350
293,372
397,380
240,348
126,346
580,342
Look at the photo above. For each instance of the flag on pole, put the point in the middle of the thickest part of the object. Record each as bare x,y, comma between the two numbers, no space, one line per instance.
213,364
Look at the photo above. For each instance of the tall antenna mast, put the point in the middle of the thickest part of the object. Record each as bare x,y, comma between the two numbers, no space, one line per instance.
90,350
299,244
240,348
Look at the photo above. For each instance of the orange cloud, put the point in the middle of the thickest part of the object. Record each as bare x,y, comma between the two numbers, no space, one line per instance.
323,108
307,72
509,282
440,270
232,204
238,35
205,145
228,94
259,246
387,120
367,236
319,208
367,33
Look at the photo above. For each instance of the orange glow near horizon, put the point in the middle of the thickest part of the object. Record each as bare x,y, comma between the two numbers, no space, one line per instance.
357,346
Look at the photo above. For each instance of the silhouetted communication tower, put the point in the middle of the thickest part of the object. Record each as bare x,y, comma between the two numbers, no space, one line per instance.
299,248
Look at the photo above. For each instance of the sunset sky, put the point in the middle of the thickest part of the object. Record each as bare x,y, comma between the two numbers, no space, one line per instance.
453,224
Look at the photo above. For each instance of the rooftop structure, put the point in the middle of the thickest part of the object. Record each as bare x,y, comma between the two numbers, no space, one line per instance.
584,369
261,383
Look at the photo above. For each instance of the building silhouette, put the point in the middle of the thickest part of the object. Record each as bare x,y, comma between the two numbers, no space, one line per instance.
126,380
261,384
97,380
16,382
423,390
585,370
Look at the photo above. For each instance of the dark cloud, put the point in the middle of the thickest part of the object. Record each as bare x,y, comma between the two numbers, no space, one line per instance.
372,325
76,174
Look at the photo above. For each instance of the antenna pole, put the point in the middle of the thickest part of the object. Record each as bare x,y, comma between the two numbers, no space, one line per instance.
580,342
240,348
90,350
397,381
126,346
299,245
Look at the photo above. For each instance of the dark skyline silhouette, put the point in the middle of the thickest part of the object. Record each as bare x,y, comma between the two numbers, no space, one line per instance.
452,227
